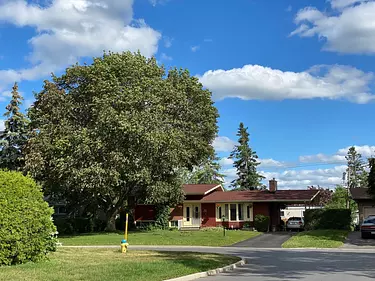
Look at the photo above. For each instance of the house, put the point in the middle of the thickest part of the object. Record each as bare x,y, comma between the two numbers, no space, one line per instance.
205,205
366,204
295,210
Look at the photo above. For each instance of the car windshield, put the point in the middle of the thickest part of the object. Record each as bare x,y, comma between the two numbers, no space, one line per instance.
370,220
295,219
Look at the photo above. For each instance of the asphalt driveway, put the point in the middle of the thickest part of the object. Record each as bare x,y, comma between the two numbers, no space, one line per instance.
266,240
354,240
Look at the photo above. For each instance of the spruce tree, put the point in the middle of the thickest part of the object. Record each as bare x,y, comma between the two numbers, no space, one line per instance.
14,137
356,173
371,178
246,162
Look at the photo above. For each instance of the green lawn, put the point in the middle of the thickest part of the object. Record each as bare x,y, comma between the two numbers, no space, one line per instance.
109,264
328,238
163,237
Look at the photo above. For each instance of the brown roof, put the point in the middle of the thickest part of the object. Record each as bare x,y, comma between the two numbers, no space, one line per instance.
360,193
262,196
200,189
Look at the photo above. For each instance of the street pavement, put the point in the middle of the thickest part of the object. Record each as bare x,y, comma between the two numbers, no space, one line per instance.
285,265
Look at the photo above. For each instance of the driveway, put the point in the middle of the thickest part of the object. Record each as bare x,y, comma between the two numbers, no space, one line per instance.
354,240
266,240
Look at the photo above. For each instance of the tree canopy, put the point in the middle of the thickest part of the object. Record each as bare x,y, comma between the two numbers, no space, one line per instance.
14,136
117,131
357,175
371,178
246,162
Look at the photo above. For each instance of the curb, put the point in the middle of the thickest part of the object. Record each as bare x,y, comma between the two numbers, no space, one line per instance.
211,272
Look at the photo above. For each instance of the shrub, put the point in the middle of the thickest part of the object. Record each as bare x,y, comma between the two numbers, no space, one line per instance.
26,226
328,219
262,223
162,216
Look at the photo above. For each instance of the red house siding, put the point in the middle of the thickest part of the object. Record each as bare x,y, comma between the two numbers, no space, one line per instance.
261,208
208,215
144,213
231,224
176,213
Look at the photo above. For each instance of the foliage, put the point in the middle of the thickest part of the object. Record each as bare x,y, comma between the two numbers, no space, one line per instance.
339,200
74,225
326,238
357,176
325,195
109,265
26,227
371,178
207,173
327,219
245,161
262,223
209,237
15,134
162,212
115,132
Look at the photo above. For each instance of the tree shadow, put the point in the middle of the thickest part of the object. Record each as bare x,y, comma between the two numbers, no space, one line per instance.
354,239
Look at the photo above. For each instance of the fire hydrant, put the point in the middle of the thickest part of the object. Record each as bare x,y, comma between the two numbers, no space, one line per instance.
124,246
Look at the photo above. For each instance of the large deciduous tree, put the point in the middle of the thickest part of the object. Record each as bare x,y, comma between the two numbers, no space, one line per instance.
15,134
357,175
246,162
115,132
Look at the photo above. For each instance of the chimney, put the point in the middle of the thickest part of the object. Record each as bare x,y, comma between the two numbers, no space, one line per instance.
273,185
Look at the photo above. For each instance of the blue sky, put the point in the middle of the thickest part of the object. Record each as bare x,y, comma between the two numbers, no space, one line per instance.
298,73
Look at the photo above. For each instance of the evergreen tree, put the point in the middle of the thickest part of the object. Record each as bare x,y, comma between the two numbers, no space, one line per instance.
245,160
371,178
356,173
14,137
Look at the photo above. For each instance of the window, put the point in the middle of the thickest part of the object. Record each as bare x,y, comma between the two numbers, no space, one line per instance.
240,212
219,213
196,212
233,211
226,211
282,213
187,213
248,211
174,223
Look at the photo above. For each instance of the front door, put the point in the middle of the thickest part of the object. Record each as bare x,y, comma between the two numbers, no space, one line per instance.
192,214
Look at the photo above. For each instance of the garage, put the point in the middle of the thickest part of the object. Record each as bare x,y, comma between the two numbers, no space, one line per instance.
368,211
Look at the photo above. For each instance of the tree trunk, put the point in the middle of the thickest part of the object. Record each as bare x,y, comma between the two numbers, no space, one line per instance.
111,220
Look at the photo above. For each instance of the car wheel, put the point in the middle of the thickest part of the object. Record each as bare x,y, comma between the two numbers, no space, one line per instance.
364,235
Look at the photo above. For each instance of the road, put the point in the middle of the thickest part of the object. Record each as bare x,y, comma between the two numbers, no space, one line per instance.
286,265
266,240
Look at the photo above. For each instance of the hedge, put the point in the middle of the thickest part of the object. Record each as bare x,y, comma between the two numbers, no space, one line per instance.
27,232
262,223
327,219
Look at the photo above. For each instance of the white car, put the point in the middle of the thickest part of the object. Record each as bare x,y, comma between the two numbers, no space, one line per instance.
295,223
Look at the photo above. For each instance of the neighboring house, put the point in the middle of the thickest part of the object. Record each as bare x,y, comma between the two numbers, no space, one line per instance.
366,205
296,211
206,204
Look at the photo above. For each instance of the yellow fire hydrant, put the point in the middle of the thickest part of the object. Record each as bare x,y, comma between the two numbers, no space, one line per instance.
124,246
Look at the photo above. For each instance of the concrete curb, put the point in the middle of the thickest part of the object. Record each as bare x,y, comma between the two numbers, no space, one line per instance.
210,272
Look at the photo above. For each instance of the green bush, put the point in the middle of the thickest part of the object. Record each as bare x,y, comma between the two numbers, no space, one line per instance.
162,216
262,223
328,219
67,225
26,227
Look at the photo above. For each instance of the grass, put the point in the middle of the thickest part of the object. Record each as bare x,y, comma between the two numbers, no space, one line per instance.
108,264
163,237
328,238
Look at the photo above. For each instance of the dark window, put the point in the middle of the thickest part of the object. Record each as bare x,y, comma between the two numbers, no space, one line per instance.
226,211
196,212
233,212
219,213
187,213
282,213
248,211
174,223
240,212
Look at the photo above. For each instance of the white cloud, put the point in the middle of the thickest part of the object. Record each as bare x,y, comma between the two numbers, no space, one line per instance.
165,57
339,157
225,162
271,163
70,29
194,48
223,144
348,28
255,82
167,41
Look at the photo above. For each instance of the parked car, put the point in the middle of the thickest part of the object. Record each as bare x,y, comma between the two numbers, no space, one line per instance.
368,227
295,223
